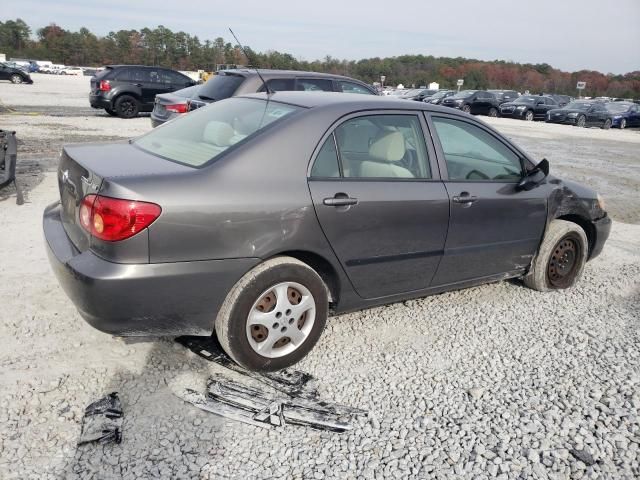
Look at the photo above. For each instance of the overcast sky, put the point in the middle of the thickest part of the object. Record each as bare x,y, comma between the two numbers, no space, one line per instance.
568,34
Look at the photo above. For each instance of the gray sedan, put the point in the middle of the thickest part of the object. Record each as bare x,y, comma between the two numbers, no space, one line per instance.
258,216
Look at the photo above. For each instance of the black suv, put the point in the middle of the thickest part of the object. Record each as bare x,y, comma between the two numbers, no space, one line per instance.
15,75
229,83
126,90
479,101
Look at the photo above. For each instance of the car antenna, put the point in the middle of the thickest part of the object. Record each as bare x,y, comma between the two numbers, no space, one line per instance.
266,87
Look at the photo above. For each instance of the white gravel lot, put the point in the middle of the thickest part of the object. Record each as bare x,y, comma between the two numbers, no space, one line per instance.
496,381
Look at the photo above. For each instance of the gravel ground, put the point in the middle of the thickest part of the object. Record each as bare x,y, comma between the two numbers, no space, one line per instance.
496,381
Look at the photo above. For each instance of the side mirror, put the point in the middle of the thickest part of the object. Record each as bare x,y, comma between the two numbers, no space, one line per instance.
533,178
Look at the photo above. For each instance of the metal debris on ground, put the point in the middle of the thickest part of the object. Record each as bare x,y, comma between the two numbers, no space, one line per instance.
102,421
296,400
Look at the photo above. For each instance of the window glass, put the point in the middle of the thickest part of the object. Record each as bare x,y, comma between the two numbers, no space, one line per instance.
383,146
350,87
326,163
134,75
314,85
205,133
173,78
220,86
279,85
473,154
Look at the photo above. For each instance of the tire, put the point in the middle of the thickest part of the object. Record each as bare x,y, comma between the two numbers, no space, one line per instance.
560,259
257,292
113,113
466,108
623,124
581,121
15,78
127,106
493,112
529,116
607,124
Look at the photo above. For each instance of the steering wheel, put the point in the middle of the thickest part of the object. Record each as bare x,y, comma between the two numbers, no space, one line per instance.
476,175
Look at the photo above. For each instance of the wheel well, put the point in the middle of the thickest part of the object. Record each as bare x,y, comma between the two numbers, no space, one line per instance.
131,94
586,225
323,268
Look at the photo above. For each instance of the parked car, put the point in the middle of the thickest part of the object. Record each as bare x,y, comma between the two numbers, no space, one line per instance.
168,106
75,71
528,107
258,215
624,114
228,83
581,114
127,90
437,98
475,102
13,74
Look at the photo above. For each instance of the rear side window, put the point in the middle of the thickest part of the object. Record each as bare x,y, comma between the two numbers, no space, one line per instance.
350,87
314,85
326,164
133,75
473,154
204,134
221,86
279,85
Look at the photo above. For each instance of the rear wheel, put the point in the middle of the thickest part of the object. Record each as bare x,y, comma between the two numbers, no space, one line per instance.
466,108
493,112
15,78
529,116
274,315
560,259
607,124
582,121
623,124
127,106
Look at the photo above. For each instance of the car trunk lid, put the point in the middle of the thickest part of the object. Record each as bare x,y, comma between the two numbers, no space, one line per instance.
83,170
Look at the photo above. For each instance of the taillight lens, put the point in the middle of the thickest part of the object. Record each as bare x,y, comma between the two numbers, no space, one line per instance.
104,86
115,219
177,108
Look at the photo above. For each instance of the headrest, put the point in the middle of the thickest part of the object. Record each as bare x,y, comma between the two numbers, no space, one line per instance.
388,148
218,133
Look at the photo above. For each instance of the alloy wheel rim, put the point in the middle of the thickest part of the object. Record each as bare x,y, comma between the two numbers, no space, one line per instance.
529,116
128,108
581,122
17,79
281,320
623,123
564,261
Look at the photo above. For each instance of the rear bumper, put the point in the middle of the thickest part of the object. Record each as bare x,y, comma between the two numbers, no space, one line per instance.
180,298
98,101
602,229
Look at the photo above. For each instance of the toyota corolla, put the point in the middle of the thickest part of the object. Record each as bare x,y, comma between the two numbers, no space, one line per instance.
258,216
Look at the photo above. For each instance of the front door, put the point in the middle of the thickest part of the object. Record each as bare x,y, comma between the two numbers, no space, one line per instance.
380,202
494,228
5,73
596,115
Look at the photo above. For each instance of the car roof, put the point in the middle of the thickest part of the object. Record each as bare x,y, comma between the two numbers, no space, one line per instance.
348,101
137,66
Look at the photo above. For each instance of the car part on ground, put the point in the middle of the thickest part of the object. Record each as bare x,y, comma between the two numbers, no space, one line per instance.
192,209
102,421
261,408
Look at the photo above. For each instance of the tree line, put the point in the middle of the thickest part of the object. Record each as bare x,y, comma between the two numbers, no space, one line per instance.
182,51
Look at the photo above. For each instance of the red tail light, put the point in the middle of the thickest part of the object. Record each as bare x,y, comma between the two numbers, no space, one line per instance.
105,85
114,219
178,108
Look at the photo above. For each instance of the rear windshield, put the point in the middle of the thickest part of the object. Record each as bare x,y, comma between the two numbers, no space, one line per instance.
578,106
618,107
221,86
103,73
204,134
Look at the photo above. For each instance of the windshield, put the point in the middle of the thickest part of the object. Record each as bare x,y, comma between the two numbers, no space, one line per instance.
618,107
578,106
526,99
204,134
221,86
464,94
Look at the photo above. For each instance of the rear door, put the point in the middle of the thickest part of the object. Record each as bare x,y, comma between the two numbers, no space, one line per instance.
494,228
596,115
379,200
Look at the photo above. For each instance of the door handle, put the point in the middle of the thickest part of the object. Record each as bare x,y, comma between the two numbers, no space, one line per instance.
137,84
464,198
340,200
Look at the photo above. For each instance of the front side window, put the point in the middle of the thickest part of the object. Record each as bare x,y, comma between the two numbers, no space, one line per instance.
383,146
471,153
314,85
204,134
350,87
